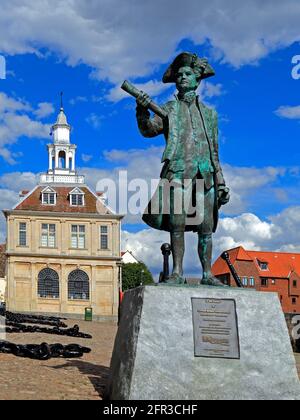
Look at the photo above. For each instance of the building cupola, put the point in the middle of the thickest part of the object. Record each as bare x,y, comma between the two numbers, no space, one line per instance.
62,154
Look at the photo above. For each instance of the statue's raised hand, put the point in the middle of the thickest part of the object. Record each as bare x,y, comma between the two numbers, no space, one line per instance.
143,100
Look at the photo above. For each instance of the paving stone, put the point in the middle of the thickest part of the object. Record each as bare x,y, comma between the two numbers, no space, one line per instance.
59,379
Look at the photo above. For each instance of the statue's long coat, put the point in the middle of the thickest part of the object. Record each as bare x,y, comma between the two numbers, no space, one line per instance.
169,127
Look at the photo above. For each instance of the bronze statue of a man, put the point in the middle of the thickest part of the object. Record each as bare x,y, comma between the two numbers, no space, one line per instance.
191,132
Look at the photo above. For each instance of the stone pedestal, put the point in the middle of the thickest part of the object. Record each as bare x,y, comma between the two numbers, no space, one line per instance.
154,354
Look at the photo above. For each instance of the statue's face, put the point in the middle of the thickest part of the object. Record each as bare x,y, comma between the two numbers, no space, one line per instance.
186,80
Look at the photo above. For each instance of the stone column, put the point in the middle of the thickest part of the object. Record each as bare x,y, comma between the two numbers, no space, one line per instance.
11,286
56,159
93,295
50,159
64,237
94,239
115,288
63,281
34,288
67,160
35,235
73,161
114,238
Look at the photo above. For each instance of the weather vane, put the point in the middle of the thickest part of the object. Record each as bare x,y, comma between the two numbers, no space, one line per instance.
61,100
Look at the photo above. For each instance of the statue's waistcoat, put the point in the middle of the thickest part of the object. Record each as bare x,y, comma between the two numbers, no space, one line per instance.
172,131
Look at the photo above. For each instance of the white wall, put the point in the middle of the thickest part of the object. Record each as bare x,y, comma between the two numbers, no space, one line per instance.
128,258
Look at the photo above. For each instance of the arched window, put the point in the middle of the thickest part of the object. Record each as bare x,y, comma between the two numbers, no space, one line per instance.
78,285
48,284
62,160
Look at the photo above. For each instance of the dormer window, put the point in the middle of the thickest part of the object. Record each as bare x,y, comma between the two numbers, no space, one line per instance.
77,197
263,265
49,197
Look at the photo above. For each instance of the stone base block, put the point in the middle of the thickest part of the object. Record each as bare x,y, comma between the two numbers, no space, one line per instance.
154,354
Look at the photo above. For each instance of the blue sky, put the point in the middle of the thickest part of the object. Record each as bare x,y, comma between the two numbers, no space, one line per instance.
87,51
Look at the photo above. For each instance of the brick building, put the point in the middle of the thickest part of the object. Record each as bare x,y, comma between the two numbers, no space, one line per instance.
63,243
265,272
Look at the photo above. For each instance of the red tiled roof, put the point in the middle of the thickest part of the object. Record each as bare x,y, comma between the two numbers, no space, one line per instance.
92,205
2,260
280,264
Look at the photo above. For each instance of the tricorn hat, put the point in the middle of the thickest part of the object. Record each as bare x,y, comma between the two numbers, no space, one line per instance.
199,65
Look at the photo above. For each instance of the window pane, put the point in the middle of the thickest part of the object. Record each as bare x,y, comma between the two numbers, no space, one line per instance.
80,200
22,238
52,228
73,200
104,229
48,284
51,242
82,228
81,242
74,241
22,234
44,240
74,228
78,285
104,242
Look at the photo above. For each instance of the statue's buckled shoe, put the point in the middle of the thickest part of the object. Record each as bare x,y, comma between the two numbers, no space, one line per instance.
212,281
175,279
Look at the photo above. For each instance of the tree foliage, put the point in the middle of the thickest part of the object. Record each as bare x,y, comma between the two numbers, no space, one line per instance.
133,275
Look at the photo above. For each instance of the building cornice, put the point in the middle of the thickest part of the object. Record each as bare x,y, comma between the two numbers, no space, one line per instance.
63,257
61,215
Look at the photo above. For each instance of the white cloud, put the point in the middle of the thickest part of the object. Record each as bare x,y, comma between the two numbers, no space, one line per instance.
8,199
86,158
45,109
209,90
279,233
130,39
18,181
244,181
8,104
289,112
78,99
152,87
15,122
94,120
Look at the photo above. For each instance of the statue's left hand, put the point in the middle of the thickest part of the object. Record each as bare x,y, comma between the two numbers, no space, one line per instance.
223,195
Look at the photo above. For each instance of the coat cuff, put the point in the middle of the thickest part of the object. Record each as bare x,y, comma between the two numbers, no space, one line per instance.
220,179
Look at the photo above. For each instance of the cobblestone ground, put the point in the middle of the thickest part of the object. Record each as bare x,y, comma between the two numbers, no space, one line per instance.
59,379
62,379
